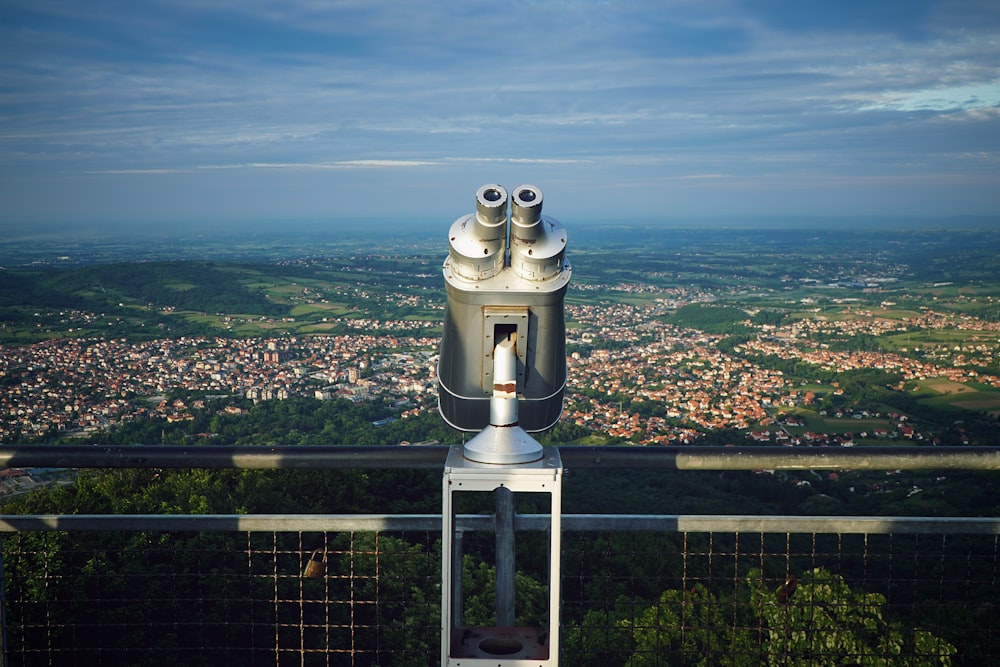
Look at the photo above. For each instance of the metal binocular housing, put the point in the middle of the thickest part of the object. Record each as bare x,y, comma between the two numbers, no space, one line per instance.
506,277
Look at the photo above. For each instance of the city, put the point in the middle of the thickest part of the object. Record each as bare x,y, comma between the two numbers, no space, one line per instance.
624,355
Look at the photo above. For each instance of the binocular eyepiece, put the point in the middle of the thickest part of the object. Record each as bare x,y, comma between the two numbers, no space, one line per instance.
482,244
506,277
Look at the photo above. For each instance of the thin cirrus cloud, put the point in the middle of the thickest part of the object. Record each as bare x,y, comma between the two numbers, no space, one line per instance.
958,98
348,164
694,101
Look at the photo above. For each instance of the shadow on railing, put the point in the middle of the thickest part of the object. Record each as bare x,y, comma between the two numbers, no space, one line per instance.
637,589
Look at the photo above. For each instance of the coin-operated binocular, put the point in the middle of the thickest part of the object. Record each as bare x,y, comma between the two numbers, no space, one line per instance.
504,327
502,372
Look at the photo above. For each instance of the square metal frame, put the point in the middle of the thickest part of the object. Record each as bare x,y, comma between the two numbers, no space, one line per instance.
462,646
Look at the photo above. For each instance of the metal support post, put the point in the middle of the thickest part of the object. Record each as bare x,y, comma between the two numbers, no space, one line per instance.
505,556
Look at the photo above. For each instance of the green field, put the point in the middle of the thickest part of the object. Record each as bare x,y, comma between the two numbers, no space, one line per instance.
943,393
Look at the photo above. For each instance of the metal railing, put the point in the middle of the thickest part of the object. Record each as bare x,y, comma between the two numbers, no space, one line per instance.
433,457
637,589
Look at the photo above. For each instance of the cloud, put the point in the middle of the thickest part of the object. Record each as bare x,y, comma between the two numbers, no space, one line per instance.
323,166
645,91
139,171
955,98
511,160
368,164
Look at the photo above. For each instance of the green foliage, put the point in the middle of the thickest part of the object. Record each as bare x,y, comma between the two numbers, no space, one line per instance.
682,628
119,573
821,621
143,300
858,342
729,344
27,570
479,582
769,317
670,492
692,628
294,421
200,286
563,432
817,621
393,570
710,319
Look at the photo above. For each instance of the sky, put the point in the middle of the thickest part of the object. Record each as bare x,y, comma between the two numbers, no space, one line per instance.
153,112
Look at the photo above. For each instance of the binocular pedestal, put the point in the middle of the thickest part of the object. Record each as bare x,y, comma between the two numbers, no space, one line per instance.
500,644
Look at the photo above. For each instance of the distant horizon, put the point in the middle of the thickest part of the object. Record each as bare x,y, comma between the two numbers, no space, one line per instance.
73,245
362,225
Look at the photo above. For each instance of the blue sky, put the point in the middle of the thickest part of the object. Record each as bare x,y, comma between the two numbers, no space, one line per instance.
148,111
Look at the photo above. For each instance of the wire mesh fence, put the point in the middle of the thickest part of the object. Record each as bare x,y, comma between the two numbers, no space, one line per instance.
635,597
780,599
153,598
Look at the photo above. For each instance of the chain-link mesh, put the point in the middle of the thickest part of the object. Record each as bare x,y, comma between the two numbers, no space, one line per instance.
221,598
629,598
780,599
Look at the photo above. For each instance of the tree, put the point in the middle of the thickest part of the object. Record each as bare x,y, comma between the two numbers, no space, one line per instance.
693,627
689,627
817,620
821,621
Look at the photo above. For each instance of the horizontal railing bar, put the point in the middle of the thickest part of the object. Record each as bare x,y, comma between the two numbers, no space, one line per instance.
570,523
903,457
783,524
213,456
222,522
